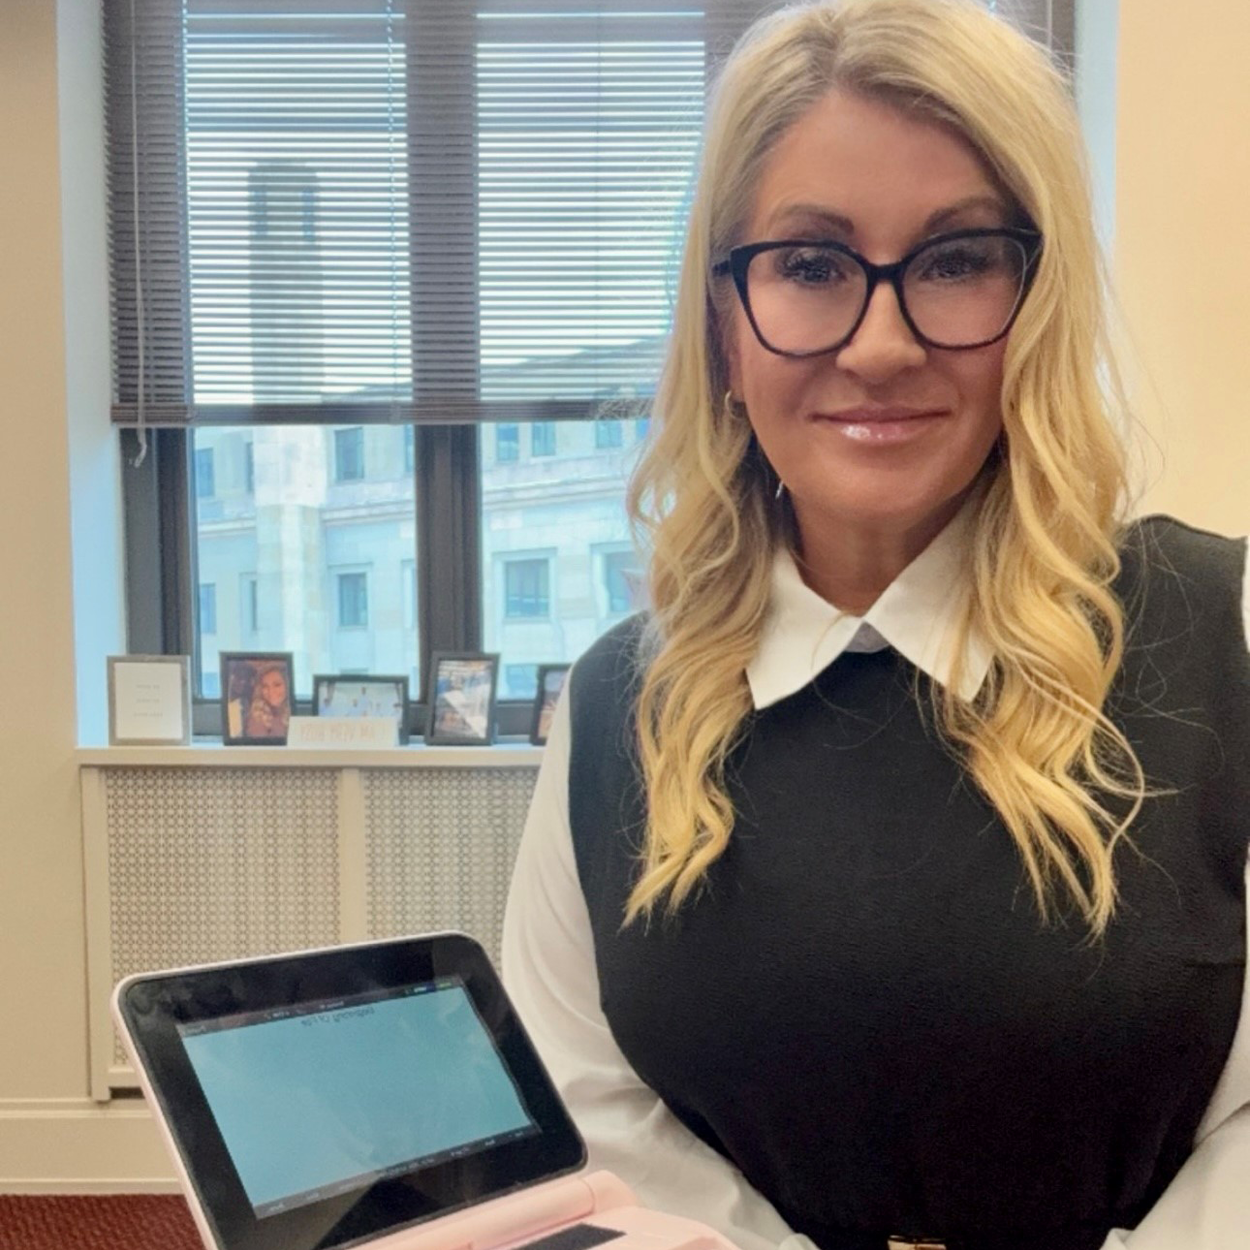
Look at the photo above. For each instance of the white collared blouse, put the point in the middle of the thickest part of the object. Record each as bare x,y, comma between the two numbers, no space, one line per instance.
549,963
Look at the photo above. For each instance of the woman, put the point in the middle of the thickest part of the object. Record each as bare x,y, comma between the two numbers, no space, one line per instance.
888,881
270,712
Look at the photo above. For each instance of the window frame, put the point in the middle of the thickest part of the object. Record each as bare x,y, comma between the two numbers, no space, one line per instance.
158,520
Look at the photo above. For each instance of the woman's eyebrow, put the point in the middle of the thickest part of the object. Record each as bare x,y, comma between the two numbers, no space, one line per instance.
837,222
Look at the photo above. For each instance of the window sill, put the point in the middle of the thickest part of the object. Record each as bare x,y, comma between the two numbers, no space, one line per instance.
207,753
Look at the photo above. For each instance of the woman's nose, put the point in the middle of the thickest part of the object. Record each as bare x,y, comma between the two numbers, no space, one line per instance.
884,343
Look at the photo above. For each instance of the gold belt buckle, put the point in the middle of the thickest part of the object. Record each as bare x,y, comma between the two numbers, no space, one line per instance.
925,1243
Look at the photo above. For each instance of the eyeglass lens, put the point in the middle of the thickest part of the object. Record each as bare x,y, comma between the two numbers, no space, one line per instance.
958,292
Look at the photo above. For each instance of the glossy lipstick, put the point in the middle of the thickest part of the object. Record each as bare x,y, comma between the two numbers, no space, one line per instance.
880,426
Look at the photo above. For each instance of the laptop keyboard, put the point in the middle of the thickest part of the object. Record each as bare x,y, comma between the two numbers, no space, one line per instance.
575,1237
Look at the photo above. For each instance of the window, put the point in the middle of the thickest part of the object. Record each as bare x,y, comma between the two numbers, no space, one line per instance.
309,271
507,443
543,438
205,485
526,588
291,537
607,433
642,427
520,681
618,575
349,454
353,600
207,608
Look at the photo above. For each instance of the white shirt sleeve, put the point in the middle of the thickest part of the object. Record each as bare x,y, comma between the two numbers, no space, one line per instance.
549,971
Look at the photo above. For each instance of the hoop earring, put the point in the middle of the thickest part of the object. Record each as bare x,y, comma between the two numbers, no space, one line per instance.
781,489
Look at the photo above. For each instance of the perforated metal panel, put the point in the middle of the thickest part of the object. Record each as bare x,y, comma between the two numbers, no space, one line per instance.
440,848
221,863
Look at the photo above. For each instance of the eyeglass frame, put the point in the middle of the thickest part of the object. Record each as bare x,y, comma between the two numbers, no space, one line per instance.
738,260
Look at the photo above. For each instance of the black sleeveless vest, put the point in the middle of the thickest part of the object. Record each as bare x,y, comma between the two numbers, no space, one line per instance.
863,1010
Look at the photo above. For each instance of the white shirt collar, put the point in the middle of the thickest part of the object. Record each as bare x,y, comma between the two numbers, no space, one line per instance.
916,615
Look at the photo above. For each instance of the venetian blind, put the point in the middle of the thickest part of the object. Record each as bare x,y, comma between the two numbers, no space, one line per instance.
398,210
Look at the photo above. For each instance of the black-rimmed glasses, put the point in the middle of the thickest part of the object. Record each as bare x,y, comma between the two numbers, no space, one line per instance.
805,297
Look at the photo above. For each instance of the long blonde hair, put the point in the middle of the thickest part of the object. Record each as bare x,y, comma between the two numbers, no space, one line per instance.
1049,518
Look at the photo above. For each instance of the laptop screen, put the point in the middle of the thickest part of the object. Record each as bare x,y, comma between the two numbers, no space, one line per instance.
330,1097
319,1099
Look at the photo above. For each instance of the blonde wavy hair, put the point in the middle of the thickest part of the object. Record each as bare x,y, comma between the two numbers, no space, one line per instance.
1062,777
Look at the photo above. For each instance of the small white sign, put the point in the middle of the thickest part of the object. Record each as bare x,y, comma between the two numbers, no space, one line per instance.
149,700
343,733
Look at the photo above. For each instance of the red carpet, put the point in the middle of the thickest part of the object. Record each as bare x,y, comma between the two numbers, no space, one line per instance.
97,1222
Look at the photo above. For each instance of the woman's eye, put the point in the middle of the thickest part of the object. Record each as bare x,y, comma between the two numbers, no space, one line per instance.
952,263
810,266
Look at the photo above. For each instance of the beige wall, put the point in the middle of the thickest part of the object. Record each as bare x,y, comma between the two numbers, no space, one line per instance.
39,886
1184,176
50,1133
1182,251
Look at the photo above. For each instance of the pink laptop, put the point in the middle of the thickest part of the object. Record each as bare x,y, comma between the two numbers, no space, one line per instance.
381,1095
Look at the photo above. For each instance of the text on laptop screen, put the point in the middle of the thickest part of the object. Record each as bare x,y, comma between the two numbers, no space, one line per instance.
322,1099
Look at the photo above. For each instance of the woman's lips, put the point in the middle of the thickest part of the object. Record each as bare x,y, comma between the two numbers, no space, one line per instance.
880,426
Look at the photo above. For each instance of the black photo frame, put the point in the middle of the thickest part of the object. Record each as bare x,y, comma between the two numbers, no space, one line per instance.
551,679
250,714
361,694
462,692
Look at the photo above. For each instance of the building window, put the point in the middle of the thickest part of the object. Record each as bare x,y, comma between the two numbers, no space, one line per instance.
618,573
607,434
349,454
410,448
543,438
353,600
520,681
207,607
526,588
642,427
507,442
249,468
205,485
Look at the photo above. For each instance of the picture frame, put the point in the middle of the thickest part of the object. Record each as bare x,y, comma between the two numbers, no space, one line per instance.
551,679
255,710
362,694
149,700
462,692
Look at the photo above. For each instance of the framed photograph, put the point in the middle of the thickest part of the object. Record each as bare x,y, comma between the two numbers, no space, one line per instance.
551,679
149,700
339,695
257,697
462,699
